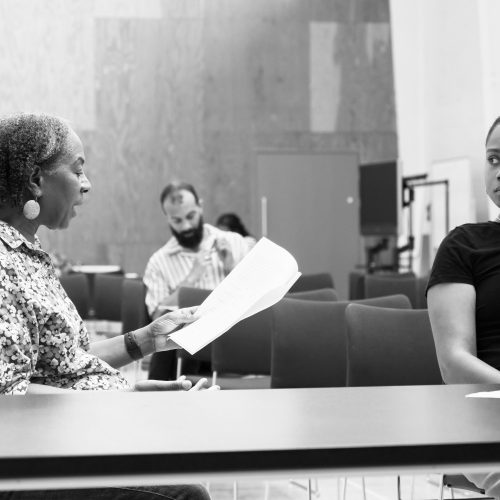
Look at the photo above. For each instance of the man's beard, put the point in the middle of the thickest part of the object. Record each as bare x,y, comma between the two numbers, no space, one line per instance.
191,238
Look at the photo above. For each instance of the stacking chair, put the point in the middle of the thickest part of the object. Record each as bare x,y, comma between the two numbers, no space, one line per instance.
243,354
244,358
134,313
357,285
76,286
309,341
390,347
108,296
457,482
377,285
312,282
421,286
394,347
241,358
188,297
309,344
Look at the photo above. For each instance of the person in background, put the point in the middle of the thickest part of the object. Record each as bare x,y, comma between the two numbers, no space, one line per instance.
231,222
197,255
44,345
462,298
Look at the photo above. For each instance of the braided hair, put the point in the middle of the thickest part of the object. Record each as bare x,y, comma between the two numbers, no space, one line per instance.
27,141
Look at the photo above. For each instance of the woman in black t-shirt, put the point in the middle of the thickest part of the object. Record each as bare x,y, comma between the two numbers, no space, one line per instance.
463,294
464,290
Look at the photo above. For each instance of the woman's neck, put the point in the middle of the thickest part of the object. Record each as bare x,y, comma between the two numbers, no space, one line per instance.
27,228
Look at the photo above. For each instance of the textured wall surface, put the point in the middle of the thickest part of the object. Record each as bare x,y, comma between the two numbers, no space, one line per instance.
191,89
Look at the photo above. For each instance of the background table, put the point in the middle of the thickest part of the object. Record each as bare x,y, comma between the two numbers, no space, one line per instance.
97,438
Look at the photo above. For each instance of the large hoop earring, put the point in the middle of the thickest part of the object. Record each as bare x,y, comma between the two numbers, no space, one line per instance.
31,209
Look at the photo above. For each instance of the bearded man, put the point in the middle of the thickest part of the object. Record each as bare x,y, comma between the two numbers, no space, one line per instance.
197,255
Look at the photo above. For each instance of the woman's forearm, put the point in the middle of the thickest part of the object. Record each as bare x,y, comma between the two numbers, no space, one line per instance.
464,368
114,351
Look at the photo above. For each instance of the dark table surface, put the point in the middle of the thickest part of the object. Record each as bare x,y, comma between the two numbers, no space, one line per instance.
97,438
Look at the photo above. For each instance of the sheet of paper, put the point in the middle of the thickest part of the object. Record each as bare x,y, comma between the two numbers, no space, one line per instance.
260,280
485,394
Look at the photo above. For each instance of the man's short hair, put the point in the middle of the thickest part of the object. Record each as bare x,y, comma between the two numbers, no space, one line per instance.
172,192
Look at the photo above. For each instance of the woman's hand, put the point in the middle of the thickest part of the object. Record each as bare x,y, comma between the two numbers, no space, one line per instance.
181,384
161,327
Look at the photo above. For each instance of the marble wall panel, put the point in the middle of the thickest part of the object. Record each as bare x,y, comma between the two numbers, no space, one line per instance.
44,67
192,89
129,9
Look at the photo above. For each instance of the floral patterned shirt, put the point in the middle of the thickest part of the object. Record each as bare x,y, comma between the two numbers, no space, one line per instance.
42,337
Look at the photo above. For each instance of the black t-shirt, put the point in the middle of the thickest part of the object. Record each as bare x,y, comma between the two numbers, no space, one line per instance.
471,254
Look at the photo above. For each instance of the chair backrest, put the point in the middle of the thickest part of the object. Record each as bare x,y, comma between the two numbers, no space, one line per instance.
188,297
421,286
108,296
357,285
377,285
76,286
312,282
309,341
323,294
387,346
134,313
308,344
246,348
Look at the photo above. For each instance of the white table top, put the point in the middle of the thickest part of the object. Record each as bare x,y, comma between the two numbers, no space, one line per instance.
96,269
111,438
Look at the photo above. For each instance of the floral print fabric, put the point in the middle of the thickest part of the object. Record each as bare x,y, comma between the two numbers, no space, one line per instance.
42,337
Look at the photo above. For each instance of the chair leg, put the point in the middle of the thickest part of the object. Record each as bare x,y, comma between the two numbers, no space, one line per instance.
363,487
316,487
235,490
214,377
344,490
309,489
266,490
441,487
398,483
178,368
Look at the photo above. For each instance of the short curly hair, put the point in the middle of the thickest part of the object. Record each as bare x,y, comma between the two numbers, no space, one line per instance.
26,141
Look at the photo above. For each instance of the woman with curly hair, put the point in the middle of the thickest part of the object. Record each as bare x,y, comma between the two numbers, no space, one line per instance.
44,345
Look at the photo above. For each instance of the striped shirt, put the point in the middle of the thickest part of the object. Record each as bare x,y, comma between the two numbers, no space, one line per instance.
170,265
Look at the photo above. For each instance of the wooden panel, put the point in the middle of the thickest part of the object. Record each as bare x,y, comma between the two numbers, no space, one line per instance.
314,216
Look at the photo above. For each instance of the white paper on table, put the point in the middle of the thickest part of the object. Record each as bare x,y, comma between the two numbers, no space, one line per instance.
485,394
258,281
